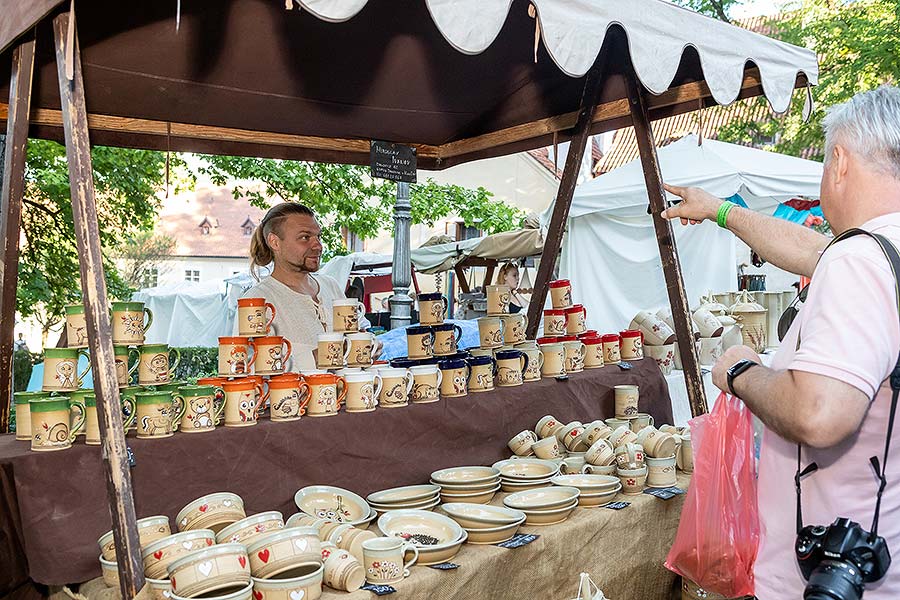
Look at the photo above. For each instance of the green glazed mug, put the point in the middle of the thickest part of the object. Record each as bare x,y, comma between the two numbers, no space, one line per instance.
155,366
76,327
51,423
157,414
123,357
201,411
61,369
128,326
92,420
23,413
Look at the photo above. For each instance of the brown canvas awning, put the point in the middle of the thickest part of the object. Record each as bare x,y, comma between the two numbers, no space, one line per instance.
247,77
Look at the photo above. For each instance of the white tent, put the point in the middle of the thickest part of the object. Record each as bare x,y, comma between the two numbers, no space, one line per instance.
610,252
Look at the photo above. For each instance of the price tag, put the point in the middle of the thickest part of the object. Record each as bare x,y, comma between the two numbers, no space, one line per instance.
664,493
625,366
445,566
379,590
519,540
616,505
131,461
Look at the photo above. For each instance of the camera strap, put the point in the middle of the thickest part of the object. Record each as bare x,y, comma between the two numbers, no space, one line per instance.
893,256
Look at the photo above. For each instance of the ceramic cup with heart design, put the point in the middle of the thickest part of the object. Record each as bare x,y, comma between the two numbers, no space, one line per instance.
158,414
547,448
149,529
611,353
560,293
554,322
593,352
554,354
630,456
481,373
160,589
51,422
251,316
248,529
383,560
282,550
343,571
432,308
122,355
128,324
572,437
213,511
576,316
490,332
346,313
535,360
419,341
271,353
547,426
362,349
156,364
631,344
332,350
76,327
363,389
159,554
236,356
427,381
575,351
327,393
92,421
396,388
303,582
202,572
626,401
600,453
288,397
349,538
61,369
521,443
514,327
498,297
446,338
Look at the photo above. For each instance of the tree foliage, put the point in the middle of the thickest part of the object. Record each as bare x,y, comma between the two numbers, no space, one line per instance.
142,251
346,197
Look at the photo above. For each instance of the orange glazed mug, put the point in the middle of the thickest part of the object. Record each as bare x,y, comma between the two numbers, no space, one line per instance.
252,316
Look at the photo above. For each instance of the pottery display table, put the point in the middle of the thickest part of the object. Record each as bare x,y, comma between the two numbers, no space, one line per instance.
53,506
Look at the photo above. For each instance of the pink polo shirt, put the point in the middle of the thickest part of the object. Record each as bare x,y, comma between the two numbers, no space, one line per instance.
849,332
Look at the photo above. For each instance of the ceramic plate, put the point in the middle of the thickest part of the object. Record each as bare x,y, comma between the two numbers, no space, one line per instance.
332,504
481,516
587,483
541,498
404,495
465,475
526,468
420,527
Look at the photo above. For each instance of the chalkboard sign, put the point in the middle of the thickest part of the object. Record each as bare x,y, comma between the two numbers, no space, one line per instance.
393,161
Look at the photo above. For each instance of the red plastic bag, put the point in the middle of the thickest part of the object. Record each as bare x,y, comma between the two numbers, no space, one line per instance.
718,535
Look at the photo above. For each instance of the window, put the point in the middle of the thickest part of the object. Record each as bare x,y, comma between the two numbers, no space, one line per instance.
191,275
466,233
205,227
247,227
248,231
150,277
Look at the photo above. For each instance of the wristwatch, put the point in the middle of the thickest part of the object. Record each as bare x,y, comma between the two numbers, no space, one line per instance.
736,369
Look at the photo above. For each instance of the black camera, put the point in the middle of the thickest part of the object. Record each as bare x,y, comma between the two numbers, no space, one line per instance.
840,559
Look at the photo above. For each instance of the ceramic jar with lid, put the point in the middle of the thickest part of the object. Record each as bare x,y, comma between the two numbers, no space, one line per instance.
752,319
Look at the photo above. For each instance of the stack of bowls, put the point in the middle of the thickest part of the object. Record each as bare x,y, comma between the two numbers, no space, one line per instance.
438,538
476,485
485,524
544,506
594,489
521,474
423,497
334,504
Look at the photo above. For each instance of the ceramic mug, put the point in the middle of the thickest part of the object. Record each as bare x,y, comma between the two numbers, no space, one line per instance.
710,350
630,456
426,383
554,354
546,448
514,327
23,413
362,349
490,332
615,423
158,414
631,345
626,401
235,356
419,342
383,560
481,373
532,371
201,412
575,352
332,350
342,571
707,324
511,366
122,356
623,435
574,465
576,316
656,331
595,430
327,393
288,397
554,322
664,356
363,389
632,480
521,443
454,378
446,338
661,472
219,399
561,293
242,404
397,384
252,316
498,299
76,327
600,453
270,353
685,456
51,423
547,426
611,352
432,309
155,366
346,313
593,352
92,420
128,326
640,421
61,369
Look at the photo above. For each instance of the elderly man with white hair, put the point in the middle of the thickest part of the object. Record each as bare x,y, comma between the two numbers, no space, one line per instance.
826,395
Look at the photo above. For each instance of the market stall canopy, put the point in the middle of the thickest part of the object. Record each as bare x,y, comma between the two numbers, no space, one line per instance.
499,246
318,82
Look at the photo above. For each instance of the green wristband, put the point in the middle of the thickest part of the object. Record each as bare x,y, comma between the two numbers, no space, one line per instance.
722,216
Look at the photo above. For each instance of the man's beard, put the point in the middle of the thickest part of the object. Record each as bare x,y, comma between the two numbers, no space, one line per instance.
305,269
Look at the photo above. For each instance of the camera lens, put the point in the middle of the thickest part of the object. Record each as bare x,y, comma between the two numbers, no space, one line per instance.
834,580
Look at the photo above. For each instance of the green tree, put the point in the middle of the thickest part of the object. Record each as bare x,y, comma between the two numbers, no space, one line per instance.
345,196
141,251
126,182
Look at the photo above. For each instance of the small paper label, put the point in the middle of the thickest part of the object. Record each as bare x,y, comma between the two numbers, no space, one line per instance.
664,493
379,590
625,366
519,540
445,566
616,505
131,461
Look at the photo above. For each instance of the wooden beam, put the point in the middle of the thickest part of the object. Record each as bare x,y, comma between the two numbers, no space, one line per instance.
681,313
463,282
96,309
12,191
553,240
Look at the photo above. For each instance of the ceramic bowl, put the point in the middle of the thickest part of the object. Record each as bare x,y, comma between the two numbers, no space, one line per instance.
436,536
246,529
541,499
160,589
550,516
283,550
465,475
205,571
404,495
332,504
426,505
159,554
150,529
237,592
604,470
495,535
599,498
301,519
478,516
523,469
464,488
109,569
364,523
478,497
515,486
587,483
213,511
303,582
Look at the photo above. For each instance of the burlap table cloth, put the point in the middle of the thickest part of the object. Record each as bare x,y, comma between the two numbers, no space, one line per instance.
54,505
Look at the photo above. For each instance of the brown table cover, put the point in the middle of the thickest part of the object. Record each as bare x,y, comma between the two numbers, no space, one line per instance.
54,505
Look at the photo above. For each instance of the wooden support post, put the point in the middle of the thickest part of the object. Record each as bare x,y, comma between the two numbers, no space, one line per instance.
11,193
93,290
580,136
668,253
463,282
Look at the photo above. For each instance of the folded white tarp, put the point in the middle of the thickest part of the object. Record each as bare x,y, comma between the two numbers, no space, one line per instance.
187,313
499,246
